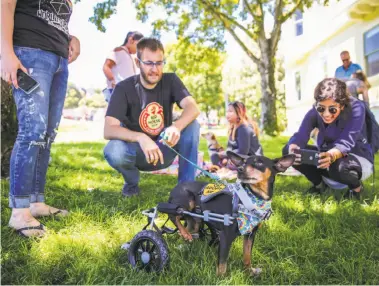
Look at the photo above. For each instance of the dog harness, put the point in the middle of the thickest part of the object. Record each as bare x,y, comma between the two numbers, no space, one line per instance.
249,213
248,219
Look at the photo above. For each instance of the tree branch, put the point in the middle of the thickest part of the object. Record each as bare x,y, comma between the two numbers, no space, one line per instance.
221,14
276,31
234,35
284,18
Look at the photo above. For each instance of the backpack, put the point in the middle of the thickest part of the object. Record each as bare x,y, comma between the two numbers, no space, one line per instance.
372,129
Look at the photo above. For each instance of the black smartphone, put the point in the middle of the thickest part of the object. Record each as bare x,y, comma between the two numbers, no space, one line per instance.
25,82
308,157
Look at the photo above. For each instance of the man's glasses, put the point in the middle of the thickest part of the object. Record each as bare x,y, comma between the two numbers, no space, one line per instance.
332,109
345,60
150,64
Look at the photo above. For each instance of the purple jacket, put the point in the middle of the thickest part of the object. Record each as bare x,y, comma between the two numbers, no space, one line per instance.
347,133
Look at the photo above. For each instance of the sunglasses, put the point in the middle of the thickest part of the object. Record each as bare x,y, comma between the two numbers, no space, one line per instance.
150,64
332,109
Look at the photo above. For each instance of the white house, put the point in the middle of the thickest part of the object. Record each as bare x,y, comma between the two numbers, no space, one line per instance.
312,42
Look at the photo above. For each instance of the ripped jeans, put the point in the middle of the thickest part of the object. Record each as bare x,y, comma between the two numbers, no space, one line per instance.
38,115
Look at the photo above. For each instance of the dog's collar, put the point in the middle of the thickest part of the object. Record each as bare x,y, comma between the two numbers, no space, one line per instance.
212,149
249,189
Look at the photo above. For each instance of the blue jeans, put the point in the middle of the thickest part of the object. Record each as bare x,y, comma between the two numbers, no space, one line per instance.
128,157
38,115
107,92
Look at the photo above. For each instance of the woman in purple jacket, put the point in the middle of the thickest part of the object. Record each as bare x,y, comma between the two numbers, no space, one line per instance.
346,158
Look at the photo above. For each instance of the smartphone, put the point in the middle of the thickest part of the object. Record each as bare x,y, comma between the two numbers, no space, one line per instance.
25,82
308,157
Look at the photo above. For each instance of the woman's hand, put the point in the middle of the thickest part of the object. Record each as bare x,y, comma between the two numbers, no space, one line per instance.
291,150
73,49
329,157
9,66
325,161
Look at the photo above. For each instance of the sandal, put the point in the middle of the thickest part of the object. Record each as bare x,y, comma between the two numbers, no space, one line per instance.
20,230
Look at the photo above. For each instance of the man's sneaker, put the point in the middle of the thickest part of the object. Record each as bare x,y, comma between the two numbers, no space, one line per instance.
350,194
317,190
130,191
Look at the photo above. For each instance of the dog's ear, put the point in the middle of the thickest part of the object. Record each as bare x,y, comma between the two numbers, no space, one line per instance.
203,135
213,136
235,158
282,164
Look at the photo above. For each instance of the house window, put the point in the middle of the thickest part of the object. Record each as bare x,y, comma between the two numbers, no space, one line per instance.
298,85
298,23
371,40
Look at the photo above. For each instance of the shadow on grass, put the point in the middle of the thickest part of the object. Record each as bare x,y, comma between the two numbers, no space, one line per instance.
308,240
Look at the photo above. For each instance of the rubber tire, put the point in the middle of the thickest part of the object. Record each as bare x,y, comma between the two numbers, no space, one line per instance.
160,246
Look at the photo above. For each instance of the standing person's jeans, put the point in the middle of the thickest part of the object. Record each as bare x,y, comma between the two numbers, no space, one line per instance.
128,157
107,92
38,115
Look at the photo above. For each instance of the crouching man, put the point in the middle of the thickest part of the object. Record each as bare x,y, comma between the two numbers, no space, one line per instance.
140,110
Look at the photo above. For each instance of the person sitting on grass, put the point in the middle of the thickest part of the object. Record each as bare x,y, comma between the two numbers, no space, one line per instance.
139,110
243,136
346,157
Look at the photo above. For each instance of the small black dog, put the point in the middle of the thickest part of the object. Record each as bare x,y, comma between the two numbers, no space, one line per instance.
257,175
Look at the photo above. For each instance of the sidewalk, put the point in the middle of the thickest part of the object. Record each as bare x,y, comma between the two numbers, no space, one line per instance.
80,131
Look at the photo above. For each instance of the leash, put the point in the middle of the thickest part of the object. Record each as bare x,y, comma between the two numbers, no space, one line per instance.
210,175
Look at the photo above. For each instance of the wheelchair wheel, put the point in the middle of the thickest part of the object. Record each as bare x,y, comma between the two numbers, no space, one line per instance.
148,251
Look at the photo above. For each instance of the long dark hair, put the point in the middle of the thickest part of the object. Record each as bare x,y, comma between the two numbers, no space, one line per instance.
359,74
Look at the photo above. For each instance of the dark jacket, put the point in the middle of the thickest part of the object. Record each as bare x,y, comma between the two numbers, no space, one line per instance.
347,133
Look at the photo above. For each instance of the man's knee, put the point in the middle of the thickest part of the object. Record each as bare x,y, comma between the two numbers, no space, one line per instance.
118,153
191,133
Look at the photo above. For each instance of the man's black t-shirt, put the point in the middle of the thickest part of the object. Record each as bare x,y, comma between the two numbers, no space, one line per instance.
43,24
146,110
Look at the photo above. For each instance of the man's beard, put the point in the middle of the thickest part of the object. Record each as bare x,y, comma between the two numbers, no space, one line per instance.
146,79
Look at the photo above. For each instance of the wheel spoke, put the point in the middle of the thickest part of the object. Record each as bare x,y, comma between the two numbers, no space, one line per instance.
148,246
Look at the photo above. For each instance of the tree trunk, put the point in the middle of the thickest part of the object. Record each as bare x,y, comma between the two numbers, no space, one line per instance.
8,127
268,102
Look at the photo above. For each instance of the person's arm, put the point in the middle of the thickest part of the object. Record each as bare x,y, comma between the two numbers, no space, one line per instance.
190,113
243,140
113,130
184,100
362,89
107,69
73,49
301,137
353,129
9,61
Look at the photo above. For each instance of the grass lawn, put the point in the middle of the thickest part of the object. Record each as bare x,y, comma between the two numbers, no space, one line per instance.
308,240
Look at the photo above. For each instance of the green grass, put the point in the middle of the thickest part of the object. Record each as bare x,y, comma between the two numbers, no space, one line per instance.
308,240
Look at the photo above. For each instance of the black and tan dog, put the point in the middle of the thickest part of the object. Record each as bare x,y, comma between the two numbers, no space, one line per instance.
257,175
213,145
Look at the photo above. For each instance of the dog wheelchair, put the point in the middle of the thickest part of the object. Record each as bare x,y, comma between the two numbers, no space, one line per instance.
149,251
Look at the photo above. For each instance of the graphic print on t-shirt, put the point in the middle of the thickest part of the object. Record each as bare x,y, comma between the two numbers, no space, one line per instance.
151,119
62,11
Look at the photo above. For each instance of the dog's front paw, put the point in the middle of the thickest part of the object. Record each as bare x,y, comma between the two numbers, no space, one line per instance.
255,271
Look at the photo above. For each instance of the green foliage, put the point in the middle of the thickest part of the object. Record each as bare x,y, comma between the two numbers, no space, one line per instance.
205,22
308,240
200,69
73,97
96,101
